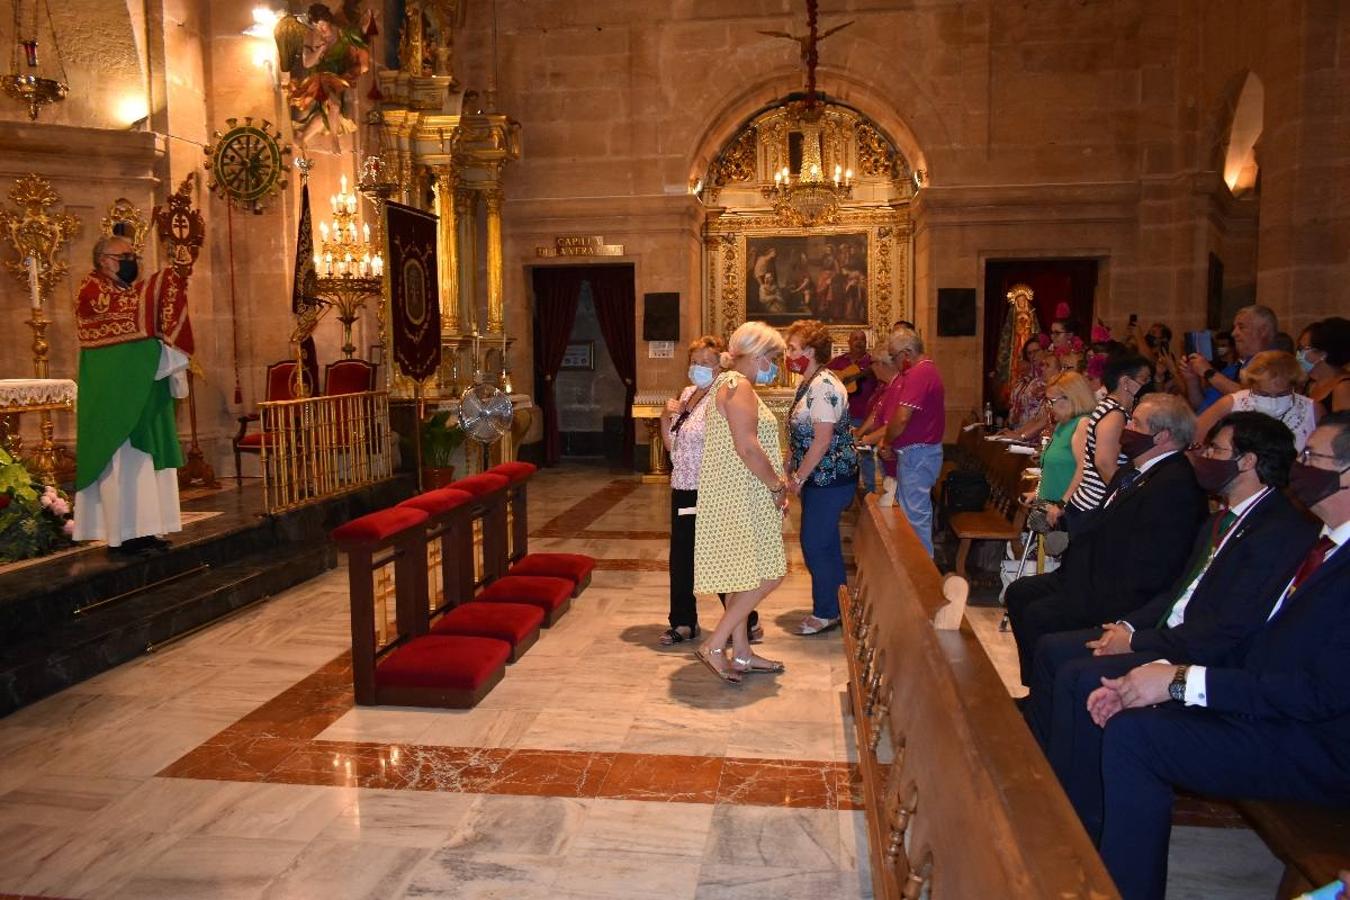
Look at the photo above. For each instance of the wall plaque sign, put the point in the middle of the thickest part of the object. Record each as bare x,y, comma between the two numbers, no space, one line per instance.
579,245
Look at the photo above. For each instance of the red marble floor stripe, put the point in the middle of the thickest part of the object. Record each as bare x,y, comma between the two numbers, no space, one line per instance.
679,779
581,514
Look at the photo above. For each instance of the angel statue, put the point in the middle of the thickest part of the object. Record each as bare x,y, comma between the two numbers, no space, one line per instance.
323,59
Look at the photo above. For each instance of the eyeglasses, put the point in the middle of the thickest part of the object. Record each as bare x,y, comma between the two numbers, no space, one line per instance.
1052,400
124,257
1308,453
1060,331
1208,450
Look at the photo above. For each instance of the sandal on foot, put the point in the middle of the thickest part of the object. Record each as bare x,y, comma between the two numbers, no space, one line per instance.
672,636
816,625
730,676
757,665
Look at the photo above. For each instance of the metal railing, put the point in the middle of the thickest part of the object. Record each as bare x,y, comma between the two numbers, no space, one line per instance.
319,447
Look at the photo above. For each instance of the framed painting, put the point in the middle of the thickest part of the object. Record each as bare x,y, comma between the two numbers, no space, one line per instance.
807,276
579,357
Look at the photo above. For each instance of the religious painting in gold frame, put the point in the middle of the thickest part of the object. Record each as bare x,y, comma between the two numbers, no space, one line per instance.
876,291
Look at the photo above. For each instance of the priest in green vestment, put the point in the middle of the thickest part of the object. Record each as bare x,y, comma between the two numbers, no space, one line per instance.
135,344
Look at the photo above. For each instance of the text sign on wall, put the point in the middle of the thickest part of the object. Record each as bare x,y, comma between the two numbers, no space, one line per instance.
579,245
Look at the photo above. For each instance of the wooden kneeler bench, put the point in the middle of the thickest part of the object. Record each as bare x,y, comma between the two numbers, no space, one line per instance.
552,595
448,521
1003,517
575,567
407,667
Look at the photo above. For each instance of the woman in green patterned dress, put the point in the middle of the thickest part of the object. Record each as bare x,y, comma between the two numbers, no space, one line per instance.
742,498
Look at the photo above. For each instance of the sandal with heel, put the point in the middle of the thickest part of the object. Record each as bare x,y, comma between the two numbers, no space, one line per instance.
757,665
730,676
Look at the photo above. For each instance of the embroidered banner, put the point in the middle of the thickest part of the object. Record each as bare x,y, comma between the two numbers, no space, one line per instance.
413,291
305,286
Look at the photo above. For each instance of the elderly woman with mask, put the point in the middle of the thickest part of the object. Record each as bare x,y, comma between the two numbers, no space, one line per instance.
682,431
824,467
1268,383
738,536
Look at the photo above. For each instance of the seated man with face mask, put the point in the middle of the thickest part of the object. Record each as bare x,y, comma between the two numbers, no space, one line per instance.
1205,617
1130,549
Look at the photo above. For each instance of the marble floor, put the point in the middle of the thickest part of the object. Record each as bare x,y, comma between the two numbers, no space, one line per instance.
234,764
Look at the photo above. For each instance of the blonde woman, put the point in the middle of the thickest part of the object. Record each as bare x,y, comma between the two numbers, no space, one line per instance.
1268,382
1069,398
738,536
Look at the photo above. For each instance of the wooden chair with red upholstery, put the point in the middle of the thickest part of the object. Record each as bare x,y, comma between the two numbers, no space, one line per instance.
407,666
349,376
279,385
575,567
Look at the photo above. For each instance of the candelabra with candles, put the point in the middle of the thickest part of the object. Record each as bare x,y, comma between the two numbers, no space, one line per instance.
810,198
349,269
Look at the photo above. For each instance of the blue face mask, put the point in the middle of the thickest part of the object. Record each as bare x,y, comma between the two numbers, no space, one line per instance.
1303,361
701,376
767,376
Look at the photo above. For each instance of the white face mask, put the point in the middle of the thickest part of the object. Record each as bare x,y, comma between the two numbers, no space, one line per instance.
701,376
1275,407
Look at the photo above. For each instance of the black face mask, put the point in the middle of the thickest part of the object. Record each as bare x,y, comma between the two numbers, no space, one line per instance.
1135,443
1213,475
127,270
1312,485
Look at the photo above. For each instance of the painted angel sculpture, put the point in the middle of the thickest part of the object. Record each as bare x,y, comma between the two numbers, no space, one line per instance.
323,58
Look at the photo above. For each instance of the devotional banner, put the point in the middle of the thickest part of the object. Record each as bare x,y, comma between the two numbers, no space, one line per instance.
415,300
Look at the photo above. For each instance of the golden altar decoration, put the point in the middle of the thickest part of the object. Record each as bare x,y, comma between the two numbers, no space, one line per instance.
37,236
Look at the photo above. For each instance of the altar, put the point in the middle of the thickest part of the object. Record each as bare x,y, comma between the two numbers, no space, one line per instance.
649,406
34,395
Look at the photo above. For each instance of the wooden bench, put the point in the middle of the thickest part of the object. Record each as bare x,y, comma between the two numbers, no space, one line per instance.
1004,515
959,800
1313,842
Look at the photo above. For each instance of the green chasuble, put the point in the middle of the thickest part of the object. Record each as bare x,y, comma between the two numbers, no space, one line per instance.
120,400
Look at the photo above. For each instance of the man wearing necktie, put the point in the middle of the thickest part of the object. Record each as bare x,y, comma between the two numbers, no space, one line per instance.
1203,617
1273,724
1131,549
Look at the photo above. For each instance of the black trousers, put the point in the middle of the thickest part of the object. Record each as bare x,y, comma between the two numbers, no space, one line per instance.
1036,607
683,604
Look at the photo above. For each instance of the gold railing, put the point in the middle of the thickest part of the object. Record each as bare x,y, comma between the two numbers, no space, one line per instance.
322,446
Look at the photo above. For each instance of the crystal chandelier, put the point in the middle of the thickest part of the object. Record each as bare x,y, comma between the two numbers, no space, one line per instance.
349,268
27,85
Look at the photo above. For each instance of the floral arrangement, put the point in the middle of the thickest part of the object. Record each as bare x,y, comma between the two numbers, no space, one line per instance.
35,519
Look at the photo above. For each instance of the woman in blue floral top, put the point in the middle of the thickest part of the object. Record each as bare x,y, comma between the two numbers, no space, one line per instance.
823,468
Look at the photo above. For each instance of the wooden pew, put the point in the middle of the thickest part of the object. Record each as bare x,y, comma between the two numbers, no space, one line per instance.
1004,516
1313,842
959,800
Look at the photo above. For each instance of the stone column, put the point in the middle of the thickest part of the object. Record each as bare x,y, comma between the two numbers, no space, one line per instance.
495,314
447,239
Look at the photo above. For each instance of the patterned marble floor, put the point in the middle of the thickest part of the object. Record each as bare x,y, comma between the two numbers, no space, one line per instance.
233,764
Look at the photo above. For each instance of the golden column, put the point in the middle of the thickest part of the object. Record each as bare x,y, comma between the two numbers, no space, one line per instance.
492,198
448,238
467,256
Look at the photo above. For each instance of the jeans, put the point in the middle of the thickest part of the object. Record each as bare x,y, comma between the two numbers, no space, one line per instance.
821,546
867,465
916,471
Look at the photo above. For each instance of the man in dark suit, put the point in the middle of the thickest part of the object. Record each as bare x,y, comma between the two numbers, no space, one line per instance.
1130,549
1274,725
1204,617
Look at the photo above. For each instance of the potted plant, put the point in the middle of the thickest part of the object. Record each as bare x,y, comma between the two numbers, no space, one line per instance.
35,519
440,440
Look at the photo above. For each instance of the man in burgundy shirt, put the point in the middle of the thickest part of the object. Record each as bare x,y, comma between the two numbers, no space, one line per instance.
854,369
914,432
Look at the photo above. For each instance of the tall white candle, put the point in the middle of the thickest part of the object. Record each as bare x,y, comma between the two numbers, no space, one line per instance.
34,290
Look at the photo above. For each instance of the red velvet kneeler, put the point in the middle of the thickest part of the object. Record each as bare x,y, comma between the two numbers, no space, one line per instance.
441,670
516,623
552,595
575,567
450,521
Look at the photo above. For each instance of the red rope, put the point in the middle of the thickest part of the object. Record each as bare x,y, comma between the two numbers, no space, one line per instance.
234,303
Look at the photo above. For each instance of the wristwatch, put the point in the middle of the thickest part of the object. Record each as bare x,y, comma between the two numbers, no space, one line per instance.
1209,373
1177,688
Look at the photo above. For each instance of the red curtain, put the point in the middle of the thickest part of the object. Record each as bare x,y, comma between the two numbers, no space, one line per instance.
556,292
616,309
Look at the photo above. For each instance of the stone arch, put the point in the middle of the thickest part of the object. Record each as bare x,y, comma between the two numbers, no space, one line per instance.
739,107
